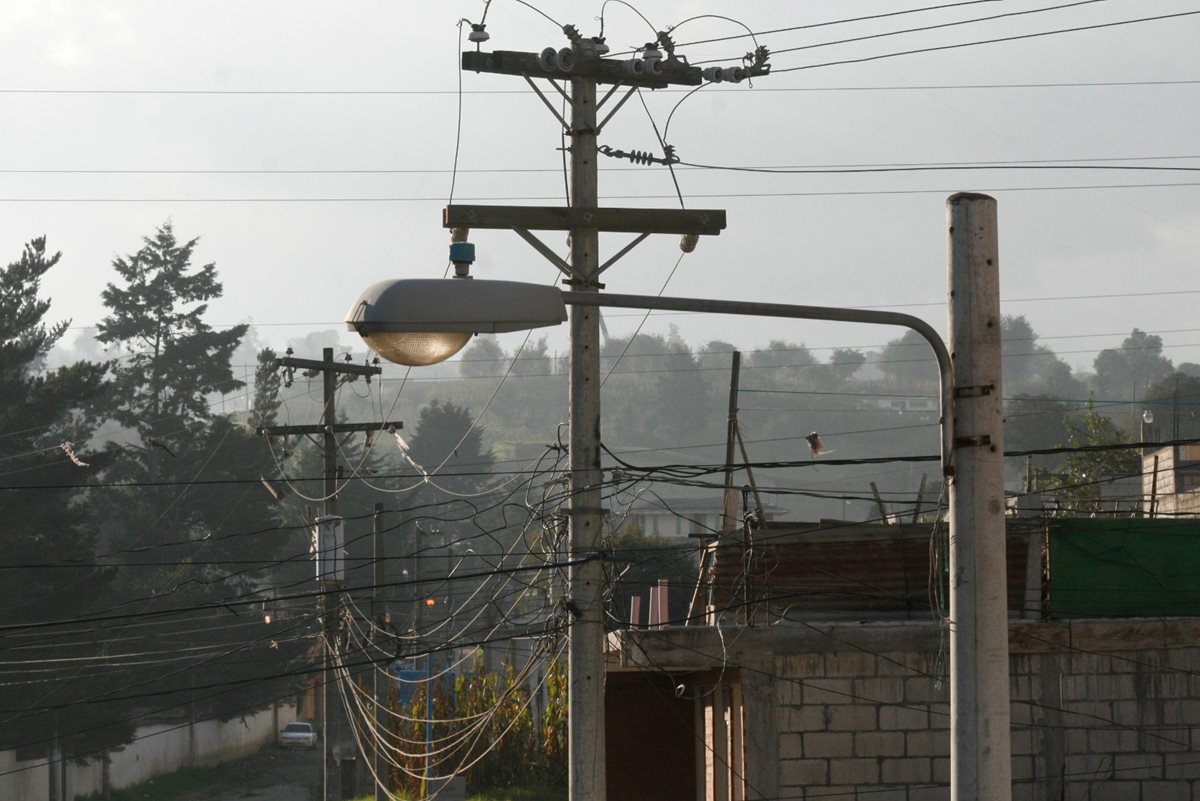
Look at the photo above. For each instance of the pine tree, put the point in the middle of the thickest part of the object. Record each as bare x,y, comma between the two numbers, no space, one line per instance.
44,418
447,438
47,563
191,525
172,360
267,385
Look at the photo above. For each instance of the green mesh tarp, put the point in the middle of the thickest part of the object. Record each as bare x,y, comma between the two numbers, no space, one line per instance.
1124,568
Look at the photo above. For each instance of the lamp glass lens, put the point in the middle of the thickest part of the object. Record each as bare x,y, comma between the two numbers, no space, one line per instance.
417,348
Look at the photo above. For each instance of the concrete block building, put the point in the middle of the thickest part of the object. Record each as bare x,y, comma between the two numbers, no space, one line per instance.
814,679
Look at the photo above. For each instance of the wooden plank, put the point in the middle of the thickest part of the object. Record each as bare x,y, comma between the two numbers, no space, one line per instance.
604,70
708,222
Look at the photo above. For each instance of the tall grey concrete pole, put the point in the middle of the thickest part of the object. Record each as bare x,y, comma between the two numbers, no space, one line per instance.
585,683
980,751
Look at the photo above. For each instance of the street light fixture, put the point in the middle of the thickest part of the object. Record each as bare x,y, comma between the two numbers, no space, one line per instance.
419,322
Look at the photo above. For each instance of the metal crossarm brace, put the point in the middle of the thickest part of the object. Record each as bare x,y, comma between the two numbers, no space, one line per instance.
542,97
542,248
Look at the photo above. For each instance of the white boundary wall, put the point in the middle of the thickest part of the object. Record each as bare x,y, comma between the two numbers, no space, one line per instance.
156,749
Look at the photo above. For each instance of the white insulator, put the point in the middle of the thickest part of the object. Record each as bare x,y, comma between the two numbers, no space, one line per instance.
548,59
713,74
600,46
566,59
478,37
733,74
654,67
687,242
652,54
634,66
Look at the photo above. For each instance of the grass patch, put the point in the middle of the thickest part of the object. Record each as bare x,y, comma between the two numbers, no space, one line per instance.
523,794
171,786
201,782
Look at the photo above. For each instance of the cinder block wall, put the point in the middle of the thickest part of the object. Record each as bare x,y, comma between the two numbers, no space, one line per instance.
1100,710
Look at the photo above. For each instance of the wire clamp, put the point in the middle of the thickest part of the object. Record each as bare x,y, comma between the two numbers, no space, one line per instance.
974,392
973,442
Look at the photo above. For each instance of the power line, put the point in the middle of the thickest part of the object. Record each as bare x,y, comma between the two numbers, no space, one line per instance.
491,92
763,465
1018,37
826,24
938,168
244,600
811,169
490,198
938,26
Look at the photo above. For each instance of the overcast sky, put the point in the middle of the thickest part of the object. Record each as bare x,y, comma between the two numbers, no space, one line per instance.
310,145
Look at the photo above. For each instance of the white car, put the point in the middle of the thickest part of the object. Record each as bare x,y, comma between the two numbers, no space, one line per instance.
299,735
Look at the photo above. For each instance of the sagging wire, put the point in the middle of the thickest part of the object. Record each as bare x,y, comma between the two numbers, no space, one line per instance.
631,7
464,741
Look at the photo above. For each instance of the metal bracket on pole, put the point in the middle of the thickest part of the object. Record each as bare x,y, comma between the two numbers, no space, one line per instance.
974,392
973,442
620,253
616,108
553,110
541,247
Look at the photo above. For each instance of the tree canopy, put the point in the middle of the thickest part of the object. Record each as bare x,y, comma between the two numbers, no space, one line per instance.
47,562
171,359
1127,372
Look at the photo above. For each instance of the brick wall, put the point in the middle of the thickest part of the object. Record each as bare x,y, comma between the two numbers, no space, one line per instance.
1100,710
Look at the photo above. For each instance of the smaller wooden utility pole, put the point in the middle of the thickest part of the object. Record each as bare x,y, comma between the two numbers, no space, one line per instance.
329,600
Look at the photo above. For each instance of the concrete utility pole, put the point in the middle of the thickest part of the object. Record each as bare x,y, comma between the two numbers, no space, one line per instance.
582,65
980,760
585,678
330,601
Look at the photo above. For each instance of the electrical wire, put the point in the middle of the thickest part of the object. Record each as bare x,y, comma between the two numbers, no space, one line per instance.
977,43
624,195
683,166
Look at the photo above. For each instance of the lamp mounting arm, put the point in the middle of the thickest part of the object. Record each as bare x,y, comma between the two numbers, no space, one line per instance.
752,309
